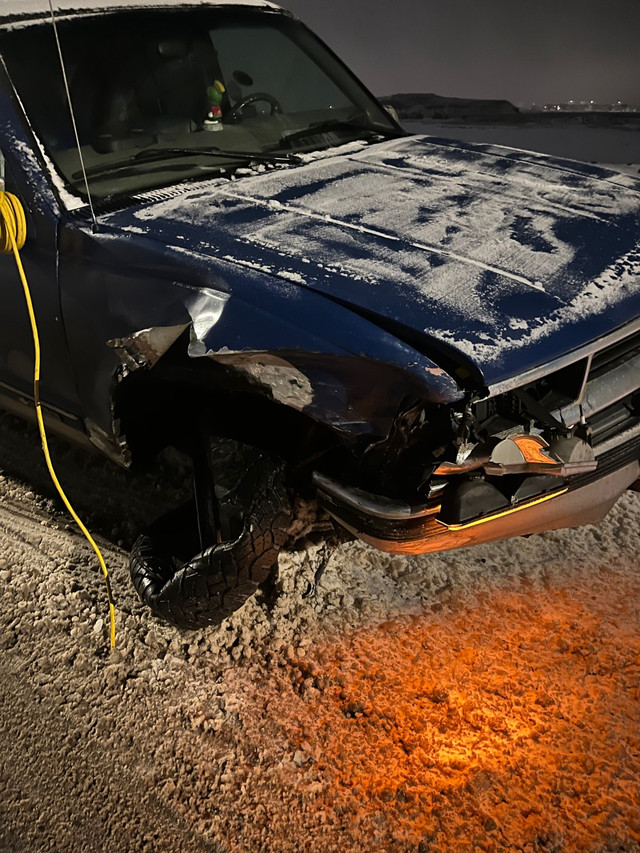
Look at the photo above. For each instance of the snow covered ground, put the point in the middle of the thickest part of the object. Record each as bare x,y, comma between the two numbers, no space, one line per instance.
486,699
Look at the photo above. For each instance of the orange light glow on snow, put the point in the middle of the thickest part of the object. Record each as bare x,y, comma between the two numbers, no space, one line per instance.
511,723
503,719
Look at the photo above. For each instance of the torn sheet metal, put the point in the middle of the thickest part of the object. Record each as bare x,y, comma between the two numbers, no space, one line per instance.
112,444
144,349
205,311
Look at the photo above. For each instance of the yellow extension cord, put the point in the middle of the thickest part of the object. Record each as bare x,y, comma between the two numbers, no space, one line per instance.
13,234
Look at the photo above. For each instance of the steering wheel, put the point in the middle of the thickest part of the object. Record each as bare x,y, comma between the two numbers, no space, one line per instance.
276,106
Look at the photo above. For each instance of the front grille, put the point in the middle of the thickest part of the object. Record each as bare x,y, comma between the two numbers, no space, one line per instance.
612,460
611,422
610,393
614,356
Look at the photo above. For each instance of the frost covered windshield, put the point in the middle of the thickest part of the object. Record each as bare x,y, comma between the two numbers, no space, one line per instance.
161,96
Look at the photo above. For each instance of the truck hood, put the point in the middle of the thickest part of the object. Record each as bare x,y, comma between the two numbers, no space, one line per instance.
508,257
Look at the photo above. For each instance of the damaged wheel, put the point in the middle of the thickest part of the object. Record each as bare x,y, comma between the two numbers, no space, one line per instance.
246,510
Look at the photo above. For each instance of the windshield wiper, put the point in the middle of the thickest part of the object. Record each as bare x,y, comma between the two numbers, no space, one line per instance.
155,155
335,124
245,156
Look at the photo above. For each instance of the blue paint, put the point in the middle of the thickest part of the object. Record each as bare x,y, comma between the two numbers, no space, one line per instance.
524,232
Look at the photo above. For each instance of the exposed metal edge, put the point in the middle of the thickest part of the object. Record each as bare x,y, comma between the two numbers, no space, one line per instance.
585,380
370,504
112,444
564,361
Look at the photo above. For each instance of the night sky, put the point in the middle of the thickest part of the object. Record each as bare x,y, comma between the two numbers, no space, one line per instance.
542,51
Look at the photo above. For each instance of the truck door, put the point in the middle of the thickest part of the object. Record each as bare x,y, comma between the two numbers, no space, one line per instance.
26,177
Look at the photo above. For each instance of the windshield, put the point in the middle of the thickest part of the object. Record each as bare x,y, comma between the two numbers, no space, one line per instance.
161,96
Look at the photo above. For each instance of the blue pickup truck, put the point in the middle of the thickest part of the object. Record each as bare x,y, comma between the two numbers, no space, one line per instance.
229,239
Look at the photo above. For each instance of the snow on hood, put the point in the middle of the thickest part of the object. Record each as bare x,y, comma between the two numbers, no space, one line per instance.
513,258
20,8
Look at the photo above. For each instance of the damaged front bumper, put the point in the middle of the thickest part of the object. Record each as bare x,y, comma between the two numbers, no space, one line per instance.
560,502
555,449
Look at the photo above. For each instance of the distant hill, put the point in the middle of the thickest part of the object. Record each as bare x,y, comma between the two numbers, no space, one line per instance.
424,106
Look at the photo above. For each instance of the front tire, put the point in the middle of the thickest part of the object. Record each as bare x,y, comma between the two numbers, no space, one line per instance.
205,589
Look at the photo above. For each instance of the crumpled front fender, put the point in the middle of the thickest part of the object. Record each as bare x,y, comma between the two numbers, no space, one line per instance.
296,347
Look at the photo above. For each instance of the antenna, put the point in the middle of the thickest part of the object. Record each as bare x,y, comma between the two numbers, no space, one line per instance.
73,117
